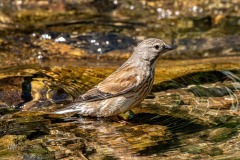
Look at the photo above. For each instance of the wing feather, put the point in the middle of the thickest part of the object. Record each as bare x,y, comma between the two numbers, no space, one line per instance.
121,81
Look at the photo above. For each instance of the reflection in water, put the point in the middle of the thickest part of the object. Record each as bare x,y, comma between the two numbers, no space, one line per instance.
196,117
92,42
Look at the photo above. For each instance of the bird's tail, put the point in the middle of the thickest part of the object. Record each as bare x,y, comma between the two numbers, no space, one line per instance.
64,111
79,108
69,109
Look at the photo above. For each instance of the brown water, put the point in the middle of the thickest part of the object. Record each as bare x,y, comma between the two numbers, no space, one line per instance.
52,51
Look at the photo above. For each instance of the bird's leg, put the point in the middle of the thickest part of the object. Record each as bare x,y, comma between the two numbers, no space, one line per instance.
127,115
123,117
119,120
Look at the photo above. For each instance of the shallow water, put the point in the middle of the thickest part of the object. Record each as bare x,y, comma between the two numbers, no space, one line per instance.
50,52
192,116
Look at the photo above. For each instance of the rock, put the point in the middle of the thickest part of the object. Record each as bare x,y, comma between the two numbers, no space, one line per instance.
221,134
10,145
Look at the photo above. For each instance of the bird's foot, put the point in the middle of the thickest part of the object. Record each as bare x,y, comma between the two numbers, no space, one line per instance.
123,117
119,119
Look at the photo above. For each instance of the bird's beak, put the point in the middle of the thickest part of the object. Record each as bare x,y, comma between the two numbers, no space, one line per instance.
167,47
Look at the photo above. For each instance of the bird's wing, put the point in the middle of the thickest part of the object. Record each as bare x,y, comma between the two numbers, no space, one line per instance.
123,80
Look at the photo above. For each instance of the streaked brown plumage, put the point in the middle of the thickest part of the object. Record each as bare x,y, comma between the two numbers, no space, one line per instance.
124,88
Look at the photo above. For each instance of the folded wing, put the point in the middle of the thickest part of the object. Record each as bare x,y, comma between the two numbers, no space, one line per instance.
120,82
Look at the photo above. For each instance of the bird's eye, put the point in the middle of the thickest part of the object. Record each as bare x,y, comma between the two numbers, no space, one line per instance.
156,47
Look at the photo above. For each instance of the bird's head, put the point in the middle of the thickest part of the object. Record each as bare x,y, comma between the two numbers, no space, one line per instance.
150,49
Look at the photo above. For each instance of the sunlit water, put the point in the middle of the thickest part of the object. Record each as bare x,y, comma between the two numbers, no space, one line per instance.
194,116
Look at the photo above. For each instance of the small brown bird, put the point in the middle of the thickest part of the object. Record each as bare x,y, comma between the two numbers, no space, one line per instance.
124,88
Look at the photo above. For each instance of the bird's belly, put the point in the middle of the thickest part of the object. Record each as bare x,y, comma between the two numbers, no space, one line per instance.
107,107
115,105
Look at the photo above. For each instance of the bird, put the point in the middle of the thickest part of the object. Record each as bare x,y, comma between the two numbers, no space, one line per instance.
123,89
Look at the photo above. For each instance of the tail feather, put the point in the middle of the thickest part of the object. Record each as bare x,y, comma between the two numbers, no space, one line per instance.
77,108
65,110
69,109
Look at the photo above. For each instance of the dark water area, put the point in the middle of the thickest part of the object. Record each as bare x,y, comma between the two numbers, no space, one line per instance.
53,51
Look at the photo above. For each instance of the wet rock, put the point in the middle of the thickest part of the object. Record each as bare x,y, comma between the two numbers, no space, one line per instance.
102,42
5,21
59,50
133,18
10,91
188,9
39,88
105,5
222,102
166,99
200,91
206,47
202,149
215,106
231,122
90,42
10,145
107,140
63,144
221,134
36,151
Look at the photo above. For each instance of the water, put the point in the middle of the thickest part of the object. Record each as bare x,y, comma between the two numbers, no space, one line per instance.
51,52
194,117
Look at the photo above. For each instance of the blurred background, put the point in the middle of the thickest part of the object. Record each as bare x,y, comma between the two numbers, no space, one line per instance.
44,30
